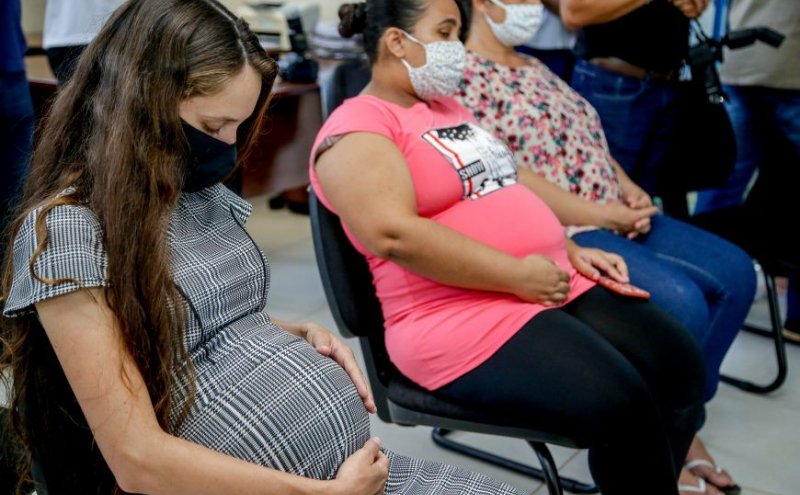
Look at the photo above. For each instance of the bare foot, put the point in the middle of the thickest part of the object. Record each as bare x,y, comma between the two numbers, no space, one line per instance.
698,452
689,484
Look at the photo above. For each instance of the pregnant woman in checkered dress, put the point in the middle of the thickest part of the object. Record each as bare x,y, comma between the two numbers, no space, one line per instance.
138,333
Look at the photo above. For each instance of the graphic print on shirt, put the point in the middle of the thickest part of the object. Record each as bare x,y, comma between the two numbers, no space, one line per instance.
483,163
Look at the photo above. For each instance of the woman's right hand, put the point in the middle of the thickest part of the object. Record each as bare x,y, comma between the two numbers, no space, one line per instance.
690,8
625,220
542,281
365,472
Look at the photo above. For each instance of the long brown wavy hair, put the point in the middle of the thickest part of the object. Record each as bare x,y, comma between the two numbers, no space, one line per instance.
114,138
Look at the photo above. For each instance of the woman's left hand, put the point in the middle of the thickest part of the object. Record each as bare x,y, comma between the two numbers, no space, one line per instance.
594,262
635,197
332,346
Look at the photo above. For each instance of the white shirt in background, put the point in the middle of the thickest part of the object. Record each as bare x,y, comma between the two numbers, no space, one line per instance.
760,64
552,35
75,22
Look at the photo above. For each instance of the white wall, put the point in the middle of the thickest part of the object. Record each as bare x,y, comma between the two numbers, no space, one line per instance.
32,15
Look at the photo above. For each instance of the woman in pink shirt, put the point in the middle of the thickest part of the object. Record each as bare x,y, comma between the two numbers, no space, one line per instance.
486,302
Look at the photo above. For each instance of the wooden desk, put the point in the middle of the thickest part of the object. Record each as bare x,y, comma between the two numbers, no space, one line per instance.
279,161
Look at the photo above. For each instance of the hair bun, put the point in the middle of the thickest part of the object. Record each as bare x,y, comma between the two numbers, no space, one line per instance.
353,19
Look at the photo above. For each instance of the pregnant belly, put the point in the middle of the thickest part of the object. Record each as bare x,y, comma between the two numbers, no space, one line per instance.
273,400
512,220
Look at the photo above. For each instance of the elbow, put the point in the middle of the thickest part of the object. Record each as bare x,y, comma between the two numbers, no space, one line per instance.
129,476
133,468
575,14
389,241
386,245
572,25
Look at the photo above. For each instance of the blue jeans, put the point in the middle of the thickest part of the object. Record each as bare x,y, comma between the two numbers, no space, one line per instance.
759,116
638,118
705,282
16,122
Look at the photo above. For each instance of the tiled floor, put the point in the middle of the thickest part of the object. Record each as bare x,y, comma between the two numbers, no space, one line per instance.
756,438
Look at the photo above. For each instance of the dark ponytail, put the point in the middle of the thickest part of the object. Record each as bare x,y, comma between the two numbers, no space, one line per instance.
353,19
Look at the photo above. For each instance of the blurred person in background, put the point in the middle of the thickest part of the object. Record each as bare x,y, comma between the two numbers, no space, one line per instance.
763,87
16,108
630,53
16,134
553,43
69,27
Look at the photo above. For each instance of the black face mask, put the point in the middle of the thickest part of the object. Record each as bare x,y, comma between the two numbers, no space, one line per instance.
210,160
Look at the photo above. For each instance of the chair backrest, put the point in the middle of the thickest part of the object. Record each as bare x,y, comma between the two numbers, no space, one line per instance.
345,275
9,454
66,458
756,230
350,292
349,78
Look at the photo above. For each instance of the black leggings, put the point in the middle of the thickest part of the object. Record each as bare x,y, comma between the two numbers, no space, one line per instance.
615,374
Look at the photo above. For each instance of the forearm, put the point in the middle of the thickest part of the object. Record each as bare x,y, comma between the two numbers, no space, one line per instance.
579,13
622,175
569,208
440,253
145,459
174,466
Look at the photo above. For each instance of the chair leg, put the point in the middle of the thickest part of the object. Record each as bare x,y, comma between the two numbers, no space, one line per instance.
551,477
780,345
548,473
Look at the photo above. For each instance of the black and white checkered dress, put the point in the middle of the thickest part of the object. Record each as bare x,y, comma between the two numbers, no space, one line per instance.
263,395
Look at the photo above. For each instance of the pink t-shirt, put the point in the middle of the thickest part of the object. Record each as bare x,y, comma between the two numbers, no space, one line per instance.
466,179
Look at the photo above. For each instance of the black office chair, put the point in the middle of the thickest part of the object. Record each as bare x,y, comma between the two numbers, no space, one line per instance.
9,455
348,79
66,459
753,229
357,312
757,226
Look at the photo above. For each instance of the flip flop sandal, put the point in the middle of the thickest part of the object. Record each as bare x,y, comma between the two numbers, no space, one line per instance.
700,487
727,490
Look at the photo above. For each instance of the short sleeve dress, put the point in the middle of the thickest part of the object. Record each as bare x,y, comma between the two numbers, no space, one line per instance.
263,395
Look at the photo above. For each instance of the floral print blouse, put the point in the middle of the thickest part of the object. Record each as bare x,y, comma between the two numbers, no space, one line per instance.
550,128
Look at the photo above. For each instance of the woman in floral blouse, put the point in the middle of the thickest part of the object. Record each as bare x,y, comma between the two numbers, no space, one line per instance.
703,281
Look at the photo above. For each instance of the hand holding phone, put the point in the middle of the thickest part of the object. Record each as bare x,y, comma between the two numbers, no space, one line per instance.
622,288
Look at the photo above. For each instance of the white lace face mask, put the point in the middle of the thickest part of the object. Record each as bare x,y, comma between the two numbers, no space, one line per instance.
443,69
522,22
